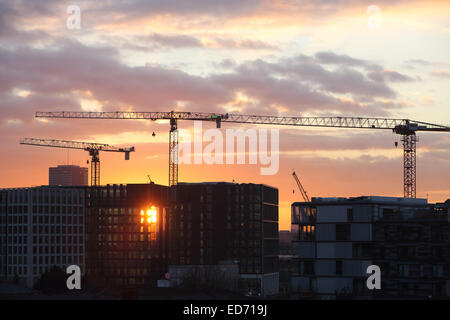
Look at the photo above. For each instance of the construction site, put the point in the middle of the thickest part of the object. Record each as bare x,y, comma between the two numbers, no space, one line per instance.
134,237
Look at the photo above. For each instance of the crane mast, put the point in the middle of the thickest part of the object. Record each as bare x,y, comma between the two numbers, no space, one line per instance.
405,127
92,148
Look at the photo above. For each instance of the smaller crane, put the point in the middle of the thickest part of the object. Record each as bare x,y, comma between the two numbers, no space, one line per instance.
300,187
92,148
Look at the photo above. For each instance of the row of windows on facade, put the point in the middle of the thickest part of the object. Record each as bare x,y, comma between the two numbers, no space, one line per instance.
17,260
245,217
43,230
303,214
397,232
46,220
127,245
42,209
247,236
207,213
44,241
118,255
128,236
401,270
14,249
257,243
125,228
343,233
37,271
53,240
123,272
108,193
114,211
402,252
308,232
47,196
237,199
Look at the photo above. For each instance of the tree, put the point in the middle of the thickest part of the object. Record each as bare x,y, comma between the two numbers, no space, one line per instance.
52,281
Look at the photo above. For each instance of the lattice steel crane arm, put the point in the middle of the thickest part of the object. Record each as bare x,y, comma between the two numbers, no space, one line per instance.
73,145
300,187
332,122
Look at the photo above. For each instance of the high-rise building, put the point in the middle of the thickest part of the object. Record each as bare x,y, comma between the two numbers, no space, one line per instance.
40,227
336,239
126,235
67,175
215,222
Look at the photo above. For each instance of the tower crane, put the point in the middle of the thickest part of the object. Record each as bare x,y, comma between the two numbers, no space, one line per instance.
300,187
92,148
405,127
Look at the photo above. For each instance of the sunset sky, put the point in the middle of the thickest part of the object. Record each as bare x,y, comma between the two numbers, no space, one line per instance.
280,57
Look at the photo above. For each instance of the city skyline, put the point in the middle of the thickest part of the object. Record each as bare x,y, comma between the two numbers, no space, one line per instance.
249,57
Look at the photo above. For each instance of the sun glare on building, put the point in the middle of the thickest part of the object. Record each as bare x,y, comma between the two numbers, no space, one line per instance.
150,215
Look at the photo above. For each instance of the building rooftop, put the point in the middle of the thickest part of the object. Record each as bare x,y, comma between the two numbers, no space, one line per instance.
367,199
223,182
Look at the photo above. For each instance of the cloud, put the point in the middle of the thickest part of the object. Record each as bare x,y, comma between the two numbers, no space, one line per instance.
418,61
328,57
242,44
342,80
174,41
292,84
162,41
441,74
387,75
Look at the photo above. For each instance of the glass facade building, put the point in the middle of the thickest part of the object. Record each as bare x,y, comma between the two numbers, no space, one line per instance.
126,235
213,222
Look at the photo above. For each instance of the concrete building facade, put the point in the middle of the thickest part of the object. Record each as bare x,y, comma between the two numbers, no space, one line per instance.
336,239
40,227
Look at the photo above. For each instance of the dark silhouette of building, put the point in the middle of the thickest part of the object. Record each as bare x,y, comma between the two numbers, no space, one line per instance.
213,222
336,239
285,242
68,175
126,235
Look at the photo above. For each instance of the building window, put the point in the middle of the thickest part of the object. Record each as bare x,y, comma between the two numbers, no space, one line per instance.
343,232
349,214
403,270
438,270
338,267
308,267
307,232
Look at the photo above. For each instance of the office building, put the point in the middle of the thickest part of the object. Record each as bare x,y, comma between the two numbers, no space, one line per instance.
40,227
336,239
213,222
68,175
126,235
